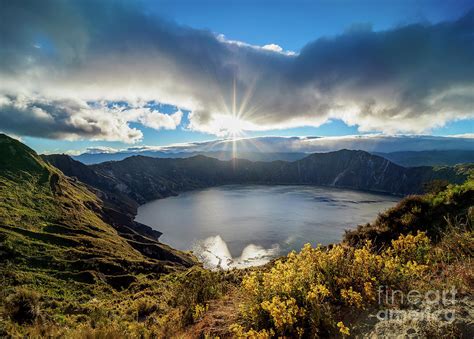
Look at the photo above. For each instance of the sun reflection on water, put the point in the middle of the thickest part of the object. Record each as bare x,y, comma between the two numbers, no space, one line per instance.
214,253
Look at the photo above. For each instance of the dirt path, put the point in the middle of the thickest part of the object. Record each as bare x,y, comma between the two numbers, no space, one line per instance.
220,315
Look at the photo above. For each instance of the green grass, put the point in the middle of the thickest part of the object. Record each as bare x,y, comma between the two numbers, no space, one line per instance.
55,241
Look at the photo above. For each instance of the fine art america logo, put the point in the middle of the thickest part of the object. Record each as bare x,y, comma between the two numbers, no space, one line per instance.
432,305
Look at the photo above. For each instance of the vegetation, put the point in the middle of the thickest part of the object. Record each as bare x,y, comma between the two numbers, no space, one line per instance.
316,291
425,243
59,251
432,213
23,306
66,271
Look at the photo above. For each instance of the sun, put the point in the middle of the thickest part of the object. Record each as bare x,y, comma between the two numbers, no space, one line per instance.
234,126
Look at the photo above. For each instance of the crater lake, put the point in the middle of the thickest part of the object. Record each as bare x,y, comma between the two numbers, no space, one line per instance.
245,225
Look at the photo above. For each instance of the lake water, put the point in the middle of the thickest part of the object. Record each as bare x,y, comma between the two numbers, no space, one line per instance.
244,225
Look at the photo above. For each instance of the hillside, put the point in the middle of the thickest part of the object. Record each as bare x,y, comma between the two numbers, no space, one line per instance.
430,158
54,230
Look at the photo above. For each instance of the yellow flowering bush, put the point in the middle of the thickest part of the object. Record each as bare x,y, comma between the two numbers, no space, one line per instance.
351,297
199,311
343,329
317,293
369,291
283,312
251,284
411,247
239,332
298,295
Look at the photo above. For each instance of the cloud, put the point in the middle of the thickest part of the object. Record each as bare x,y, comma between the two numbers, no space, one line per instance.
269,47
273,47
100,150
408,79
159,120
464,135
73,119
369,143
273,144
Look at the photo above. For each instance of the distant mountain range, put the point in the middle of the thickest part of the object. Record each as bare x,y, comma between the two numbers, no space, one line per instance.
295,148
144,178
96,158
406,158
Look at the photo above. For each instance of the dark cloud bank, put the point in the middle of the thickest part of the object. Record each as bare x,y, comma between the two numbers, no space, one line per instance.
63,62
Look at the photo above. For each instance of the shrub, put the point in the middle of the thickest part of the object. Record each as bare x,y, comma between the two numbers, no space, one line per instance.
145,308
240,332
110,331
410,247
199,311
424,213
302,294
23,306
435,186
343,329
196,287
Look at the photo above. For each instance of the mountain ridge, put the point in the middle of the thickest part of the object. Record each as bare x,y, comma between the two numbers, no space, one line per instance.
402,158
429,157
143,179
286,148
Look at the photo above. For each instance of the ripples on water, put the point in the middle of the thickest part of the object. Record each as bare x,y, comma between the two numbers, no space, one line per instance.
247,225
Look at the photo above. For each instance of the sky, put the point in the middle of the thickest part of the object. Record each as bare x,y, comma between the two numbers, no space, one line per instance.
118,74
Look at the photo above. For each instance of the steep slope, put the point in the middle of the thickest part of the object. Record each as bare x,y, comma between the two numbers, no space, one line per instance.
431,213
73,168
362,170
356,169
430,158
106,188
52,224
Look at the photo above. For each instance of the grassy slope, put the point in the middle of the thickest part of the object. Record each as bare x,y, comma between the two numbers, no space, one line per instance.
43,210
54,238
